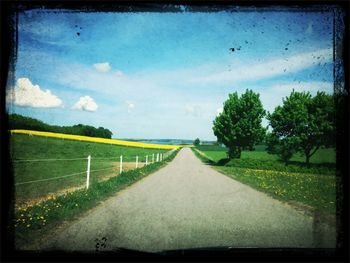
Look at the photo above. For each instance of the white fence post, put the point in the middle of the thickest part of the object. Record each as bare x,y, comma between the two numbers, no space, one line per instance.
146,160
153,158
121,164
157,157
161,157
88,172
137,160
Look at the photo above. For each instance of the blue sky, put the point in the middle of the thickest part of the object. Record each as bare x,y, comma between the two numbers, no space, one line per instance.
164,75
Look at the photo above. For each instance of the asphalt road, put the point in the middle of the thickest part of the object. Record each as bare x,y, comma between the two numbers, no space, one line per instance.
187,204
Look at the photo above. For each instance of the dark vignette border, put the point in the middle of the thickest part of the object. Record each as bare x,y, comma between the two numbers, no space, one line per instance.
9,18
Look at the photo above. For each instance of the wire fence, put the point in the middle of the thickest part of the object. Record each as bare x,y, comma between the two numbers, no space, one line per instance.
84,171
49,179
46,160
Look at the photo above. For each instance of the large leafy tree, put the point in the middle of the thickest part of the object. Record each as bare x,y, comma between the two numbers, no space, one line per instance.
239,126
302,124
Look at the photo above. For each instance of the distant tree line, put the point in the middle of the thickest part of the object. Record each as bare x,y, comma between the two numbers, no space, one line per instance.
17,121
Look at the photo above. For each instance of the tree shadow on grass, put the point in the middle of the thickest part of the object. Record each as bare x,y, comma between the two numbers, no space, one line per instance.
277,165
221,162
311,165
209,162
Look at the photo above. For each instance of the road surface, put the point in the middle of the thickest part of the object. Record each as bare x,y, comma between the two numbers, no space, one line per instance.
187,204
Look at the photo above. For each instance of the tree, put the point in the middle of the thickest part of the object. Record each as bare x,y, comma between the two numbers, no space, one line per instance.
239,127
196,142
283,148
303,123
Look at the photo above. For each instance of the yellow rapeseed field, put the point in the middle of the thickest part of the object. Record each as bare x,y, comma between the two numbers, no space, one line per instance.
95,139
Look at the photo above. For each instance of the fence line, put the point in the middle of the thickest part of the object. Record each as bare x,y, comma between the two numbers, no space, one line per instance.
48,179
107,158
88,172
159,157
47,160
96,170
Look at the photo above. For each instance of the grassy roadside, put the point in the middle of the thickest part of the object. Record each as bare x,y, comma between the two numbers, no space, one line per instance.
35,147
203,157
34,221
317,191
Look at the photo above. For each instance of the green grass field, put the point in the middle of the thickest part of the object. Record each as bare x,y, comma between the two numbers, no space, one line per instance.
33,147
36,221
322,162
314,185
217,153
315,190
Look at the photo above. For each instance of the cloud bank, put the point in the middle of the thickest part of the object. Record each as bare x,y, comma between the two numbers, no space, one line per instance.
26,94
272,68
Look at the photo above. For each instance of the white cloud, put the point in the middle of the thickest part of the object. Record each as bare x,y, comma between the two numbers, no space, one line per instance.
219,111
270,68
130,106
102,67
86,103
26,94
312,87
272,96
143,85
